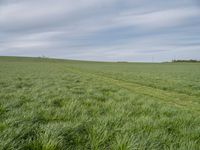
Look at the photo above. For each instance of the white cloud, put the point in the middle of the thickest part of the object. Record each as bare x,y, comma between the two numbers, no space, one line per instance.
98,29
156,19
36,13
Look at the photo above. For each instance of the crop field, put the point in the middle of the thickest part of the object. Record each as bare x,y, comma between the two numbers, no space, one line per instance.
49,104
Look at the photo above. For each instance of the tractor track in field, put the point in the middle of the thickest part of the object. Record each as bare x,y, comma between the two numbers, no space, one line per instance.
184,101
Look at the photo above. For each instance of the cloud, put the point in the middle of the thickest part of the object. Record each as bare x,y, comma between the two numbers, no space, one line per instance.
161,18
100,29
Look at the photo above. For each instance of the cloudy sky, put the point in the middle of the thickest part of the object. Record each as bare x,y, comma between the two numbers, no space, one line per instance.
102,30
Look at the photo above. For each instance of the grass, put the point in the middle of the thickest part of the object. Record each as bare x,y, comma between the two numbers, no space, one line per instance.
49,104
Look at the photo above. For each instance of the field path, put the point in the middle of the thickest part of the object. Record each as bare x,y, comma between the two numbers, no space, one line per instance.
183,101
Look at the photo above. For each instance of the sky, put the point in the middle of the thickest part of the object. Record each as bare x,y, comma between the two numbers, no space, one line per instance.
101,30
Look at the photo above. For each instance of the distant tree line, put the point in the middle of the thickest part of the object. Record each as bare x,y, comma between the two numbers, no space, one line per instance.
183,60
43,57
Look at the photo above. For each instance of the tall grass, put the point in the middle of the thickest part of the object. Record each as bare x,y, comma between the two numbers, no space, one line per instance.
58,105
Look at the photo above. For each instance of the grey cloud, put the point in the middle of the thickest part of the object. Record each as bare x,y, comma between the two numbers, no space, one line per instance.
100,29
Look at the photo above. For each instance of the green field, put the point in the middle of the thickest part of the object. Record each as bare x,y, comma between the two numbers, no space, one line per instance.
48,104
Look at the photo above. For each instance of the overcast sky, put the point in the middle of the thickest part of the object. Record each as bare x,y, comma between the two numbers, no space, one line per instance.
102,30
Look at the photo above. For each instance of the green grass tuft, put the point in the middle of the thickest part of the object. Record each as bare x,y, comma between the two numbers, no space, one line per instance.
48,104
